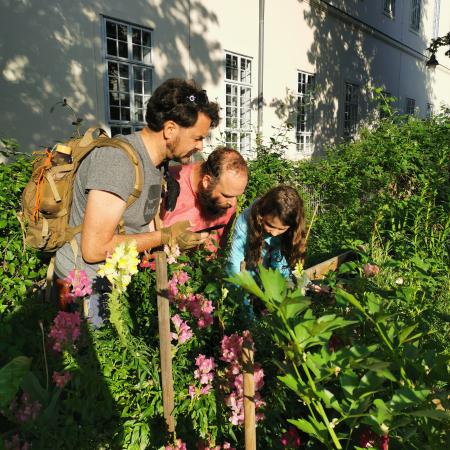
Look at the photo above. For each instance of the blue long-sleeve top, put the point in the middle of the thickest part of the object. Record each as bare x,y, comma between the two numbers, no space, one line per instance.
271,250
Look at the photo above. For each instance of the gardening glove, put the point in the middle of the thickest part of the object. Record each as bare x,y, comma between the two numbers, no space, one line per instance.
179,234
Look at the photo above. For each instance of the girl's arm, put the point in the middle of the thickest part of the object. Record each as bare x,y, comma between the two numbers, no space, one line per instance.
278,261
237,251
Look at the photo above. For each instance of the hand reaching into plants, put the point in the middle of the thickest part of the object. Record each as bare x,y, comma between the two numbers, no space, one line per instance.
179,234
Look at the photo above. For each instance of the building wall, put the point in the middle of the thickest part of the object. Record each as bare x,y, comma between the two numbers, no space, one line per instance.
51,50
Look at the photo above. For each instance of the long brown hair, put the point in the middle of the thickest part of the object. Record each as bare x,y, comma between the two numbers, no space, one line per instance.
284,203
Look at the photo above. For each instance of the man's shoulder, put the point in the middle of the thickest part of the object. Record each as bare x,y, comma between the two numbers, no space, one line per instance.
179,171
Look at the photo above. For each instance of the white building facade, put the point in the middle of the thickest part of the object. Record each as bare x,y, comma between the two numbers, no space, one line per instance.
302,69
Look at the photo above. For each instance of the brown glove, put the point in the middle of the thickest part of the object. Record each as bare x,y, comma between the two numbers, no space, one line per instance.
179,234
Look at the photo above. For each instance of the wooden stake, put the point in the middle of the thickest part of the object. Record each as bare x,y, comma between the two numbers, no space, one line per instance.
249,395
165,346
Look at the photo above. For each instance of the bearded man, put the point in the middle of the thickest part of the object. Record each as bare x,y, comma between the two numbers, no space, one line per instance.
208,194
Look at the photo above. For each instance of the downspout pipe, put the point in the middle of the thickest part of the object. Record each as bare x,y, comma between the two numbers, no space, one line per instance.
261,66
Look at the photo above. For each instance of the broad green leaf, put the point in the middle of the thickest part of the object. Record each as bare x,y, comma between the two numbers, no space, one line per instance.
246,281
10,378
292,307
273,282
292,383
330,400
32,385
405,397
349,381
383,413
373,302
308,428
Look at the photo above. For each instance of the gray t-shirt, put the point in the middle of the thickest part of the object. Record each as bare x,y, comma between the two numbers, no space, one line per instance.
110,169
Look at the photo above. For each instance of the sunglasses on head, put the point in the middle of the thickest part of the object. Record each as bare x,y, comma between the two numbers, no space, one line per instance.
199,99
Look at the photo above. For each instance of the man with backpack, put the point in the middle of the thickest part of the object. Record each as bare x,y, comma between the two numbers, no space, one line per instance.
179,117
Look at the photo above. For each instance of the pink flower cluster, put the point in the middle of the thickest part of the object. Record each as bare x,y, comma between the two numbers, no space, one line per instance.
148,260
15,444
183,331
81,284
204,373
65,330
291,438
201,308
197,304
25,410
61,379
231,347
172,253
208,446
178,278
178,445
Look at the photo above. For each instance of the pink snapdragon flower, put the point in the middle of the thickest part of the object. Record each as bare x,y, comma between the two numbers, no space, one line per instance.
61,379
201,308
291,438
208,446
205,371
65,330
231,347
81,284
26,409
178,445
172,253
183,331
178,279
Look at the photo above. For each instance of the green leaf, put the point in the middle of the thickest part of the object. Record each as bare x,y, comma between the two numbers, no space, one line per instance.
294,306
345,297
273,282
330,400
432,414
405,397
403,335
383,414
245,280
373,302
10,378
349,381
307,427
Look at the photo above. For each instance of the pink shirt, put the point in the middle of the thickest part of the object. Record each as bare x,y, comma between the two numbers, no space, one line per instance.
187,207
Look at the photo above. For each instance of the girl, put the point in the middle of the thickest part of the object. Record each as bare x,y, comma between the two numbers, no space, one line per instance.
271,231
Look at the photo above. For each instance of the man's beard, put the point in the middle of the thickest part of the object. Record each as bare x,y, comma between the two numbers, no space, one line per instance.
208,205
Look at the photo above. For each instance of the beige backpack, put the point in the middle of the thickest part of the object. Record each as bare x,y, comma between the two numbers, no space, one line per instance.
47,197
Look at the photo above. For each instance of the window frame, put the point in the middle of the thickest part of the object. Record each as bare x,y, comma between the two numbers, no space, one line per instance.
305,137
389,8
238,96
350,123
410,106
136,119
415,16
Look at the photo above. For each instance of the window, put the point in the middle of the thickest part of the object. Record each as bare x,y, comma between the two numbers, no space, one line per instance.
437,12
238,90
350,109
410,106
430,110
128,50
415,15
389,8
305,109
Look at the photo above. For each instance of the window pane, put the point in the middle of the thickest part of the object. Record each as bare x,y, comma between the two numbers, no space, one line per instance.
137,53
115,113
123,49
111,47
122,32
146,38
136,36
111,29
125,113
124,70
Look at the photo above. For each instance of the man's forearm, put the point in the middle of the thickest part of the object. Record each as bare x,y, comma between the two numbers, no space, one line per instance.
97,252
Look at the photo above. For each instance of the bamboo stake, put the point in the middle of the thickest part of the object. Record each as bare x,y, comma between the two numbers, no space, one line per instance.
165,347
249,395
